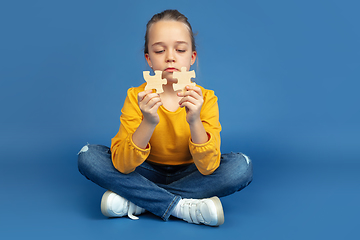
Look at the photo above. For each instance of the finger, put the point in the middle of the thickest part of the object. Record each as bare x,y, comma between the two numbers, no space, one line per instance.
149,97
191,95
195,89
152,102
147,103
188,106
181,94
156,106
188,94
194,93
193,98
185,102
142,94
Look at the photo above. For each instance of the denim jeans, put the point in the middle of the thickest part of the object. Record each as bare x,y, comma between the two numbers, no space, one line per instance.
158,188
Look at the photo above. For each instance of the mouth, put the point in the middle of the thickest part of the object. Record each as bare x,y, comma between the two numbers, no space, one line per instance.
171,70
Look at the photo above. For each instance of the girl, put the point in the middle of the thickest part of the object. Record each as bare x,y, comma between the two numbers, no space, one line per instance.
166,156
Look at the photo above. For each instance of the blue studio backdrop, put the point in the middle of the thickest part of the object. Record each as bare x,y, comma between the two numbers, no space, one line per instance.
287,77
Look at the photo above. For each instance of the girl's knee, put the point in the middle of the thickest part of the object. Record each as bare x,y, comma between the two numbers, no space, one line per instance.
246,169
93,149
238,167
238,161
83,158
90,155
84,154
249,170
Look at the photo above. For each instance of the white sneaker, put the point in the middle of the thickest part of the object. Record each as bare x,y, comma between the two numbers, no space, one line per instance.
207,211
113,205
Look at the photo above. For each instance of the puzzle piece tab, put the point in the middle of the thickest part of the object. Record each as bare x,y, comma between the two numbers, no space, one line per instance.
184,79
154,82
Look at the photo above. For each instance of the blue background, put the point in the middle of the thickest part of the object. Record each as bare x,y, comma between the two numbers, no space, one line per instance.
287,77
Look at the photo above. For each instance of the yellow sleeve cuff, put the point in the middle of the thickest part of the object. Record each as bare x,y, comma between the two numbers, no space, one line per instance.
206,156
143,150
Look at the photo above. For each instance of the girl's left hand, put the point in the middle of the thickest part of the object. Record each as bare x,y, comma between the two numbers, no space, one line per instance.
192,100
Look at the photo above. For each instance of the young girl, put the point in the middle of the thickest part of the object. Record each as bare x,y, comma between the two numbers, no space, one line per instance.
166,156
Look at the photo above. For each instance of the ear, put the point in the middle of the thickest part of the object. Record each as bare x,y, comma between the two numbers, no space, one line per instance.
193,57
147,57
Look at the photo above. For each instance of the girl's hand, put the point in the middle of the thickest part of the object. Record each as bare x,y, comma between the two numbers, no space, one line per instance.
149,103
192,101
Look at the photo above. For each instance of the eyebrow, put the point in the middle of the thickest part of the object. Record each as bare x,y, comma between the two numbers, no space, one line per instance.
177,42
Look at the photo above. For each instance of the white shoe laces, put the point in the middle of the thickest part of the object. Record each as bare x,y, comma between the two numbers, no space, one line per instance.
133,209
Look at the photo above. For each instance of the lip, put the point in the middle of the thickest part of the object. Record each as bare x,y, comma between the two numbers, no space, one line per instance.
171,70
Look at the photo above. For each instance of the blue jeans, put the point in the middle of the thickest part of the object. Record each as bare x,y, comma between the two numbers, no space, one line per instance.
158,188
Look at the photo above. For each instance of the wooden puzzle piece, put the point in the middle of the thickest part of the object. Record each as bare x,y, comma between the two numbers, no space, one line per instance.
154,82
184,79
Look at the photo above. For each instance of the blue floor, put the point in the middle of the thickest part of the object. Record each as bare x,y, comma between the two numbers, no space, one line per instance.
51,200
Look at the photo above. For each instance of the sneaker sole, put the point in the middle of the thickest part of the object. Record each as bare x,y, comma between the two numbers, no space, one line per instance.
219,211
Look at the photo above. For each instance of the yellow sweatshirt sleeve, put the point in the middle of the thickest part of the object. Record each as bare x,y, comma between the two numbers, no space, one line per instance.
126,156
207,156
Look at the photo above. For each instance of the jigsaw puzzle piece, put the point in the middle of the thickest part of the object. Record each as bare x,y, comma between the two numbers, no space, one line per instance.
184,79
154,82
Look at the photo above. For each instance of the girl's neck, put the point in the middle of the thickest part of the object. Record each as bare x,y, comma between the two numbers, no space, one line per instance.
169,98
168,90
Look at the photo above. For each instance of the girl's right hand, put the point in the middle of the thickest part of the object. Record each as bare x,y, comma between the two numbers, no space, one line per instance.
149,103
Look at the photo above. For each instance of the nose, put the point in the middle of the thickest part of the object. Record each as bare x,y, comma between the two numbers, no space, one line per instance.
170,56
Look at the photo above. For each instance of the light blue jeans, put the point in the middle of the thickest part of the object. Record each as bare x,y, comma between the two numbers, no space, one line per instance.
158,188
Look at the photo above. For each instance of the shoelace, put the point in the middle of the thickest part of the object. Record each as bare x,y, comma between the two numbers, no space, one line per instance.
133,209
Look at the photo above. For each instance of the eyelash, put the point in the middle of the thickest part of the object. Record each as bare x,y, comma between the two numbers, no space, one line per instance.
179,50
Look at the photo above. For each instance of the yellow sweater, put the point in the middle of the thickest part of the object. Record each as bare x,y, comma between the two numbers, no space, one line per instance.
171,142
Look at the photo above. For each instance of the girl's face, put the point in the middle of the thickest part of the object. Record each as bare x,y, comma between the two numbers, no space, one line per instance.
170,48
